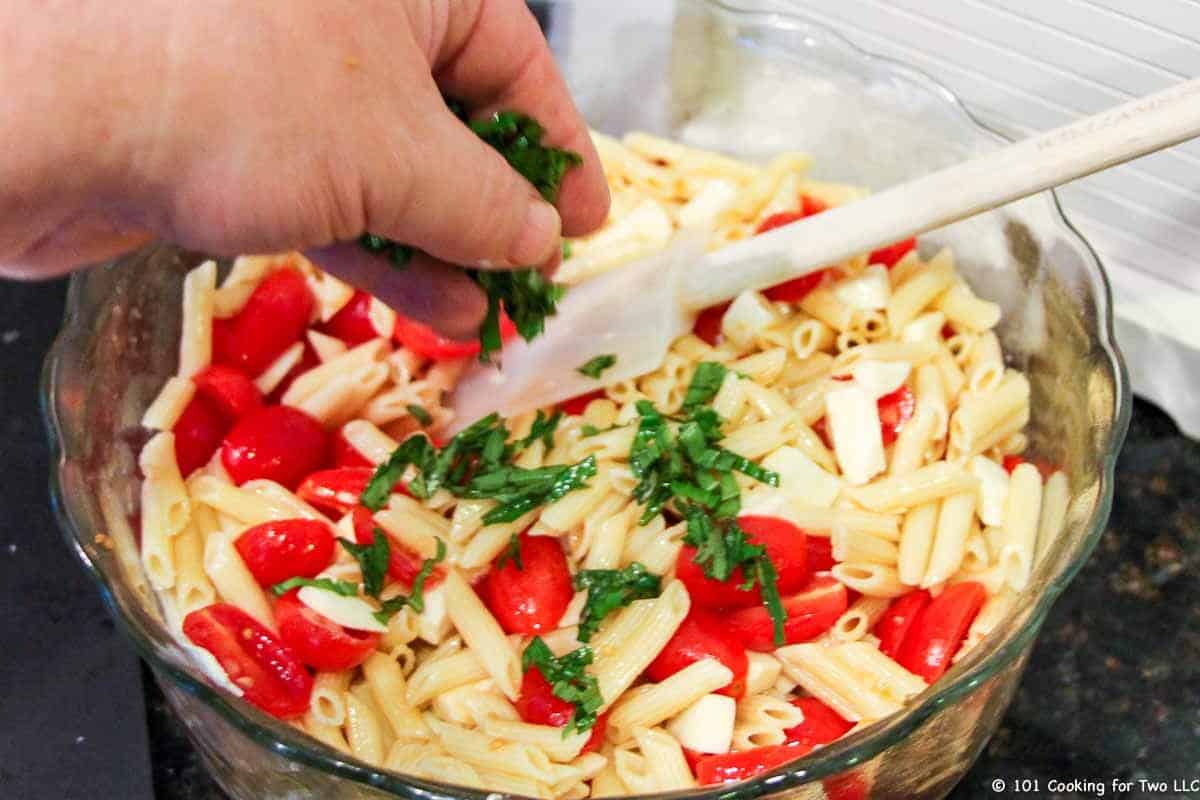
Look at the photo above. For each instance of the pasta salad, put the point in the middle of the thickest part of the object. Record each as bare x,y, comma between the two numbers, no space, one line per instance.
791,528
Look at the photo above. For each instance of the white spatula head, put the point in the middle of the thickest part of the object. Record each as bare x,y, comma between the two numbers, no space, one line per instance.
633,312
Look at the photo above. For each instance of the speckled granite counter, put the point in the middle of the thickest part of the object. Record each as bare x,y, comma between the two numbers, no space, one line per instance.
1113,688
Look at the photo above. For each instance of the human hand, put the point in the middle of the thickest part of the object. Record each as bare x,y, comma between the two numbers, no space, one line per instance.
233,126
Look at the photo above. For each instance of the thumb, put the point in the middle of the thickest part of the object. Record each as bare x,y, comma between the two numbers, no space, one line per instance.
462,203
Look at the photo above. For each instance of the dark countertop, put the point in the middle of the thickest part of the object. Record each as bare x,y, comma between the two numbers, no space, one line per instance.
1112,689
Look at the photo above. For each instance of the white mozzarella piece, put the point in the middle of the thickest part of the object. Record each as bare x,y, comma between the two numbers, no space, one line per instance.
927,326
349,612
800,477
706,726
878,378
853,422
433,624
344,528
748,315
703,209
993,489
867,291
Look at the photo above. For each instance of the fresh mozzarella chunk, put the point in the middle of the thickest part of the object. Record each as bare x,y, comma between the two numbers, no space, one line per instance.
800,477
878,378
867,291
349,612
703,209
433,624
993,489
853,423
748,315
926,326
706,726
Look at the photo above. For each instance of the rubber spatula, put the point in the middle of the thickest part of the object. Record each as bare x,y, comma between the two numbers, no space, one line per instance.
637,310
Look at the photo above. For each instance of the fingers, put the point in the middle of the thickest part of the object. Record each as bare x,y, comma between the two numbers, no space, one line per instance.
77,242
500,61
427,290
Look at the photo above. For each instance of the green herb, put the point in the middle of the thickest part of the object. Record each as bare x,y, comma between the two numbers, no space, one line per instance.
517,490
568,681
373,560
610,589
591,430
525,295
512,552
566,249
597,365
416,598
679,462
414,451
344,588
543,428
420,414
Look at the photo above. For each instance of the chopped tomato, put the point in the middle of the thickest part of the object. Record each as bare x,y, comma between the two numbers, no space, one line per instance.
786,547
286,548
889,256
821,724
403,563
820,553
850,786
821,428
425,341
198,433
335,490
939,630
810,613
746,764
708,323
319,641
702,635
230,392
537,704
895,623
578,404
797,289
1011,462
530,597
279,443
779,220
345,454
352,323
274,318
267,671
895,410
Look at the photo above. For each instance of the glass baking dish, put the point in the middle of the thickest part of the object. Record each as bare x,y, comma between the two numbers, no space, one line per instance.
745,81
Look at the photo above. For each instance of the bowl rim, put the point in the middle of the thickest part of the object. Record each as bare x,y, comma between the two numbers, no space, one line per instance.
838,757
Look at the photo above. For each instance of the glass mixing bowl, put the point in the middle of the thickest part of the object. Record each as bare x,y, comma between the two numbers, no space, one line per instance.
739,80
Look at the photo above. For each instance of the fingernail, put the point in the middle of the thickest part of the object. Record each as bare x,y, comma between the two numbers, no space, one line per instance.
538,237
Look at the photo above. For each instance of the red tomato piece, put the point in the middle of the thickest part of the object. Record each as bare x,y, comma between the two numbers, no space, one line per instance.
939,630
810,613
403,564
1011,462
708,323
702,635
820,554
811,205
533,597
230,392
275,317
280,549
890,255
733,767
344,454
854,786
319,641
779,220
279,443
578,404
797,289
786,547
335,490
268,672
895,623
538,705
895,410
352,323
821,724
198,433
425,341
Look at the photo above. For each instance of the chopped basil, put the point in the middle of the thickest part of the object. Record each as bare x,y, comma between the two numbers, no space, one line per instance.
417,598
344,588
610,589
420,414
512,552
543,428
373,560
595,367
706,382
568,681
